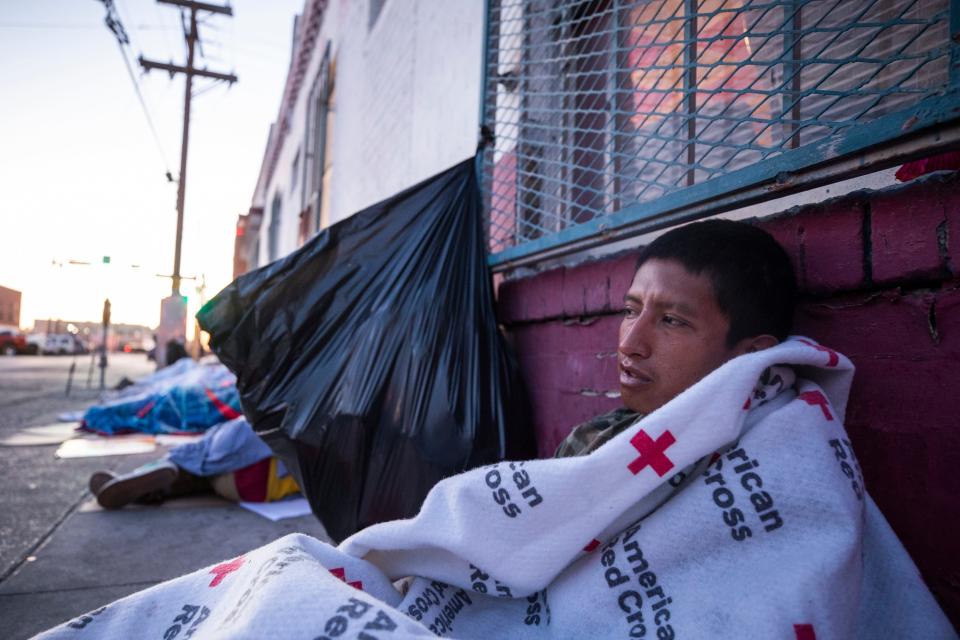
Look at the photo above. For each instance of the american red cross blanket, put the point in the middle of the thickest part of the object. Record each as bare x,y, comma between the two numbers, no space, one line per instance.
735,510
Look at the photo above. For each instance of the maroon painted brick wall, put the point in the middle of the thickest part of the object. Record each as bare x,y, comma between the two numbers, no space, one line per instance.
878,273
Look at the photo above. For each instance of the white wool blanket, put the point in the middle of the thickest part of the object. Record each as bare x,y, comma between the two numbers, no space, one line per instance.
735,510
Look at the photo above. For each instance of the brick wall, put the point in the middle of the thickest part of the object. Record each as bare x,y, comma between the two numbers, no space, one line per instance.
878,273
9,307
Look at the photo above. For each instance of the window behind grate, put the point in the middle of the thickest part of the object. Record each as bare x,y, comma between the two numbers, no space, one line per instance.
598,105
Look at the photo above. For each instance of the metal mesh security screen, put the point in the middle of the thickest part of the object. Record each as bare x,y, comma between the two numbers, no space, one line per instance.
602,106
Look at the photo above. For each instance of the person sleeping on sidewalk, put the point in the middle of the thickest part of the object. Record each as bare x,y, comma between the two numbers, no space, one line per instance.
723,500
230,460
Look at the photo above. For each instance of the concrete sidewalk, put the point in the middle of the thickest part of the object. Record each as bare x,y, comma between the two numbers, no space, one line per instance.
94,556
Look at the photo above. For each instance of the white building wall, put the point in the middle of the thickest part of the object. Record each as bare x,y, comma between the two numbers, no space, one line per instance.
406,104
446,114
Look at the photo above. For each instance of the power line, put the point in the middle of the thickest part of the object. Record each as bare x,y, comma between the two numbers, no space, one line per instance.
206,89
115,25
45,25
78,26
166,37
146,113
121,17
113,22
192,37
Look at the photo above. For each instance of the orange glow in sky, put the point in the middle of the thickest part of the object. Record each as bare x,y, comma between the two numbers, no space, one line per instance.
81,176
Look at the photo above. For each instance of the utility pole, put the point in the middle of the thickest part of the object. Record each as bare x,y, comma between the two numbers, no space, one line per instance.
103,343
202,294
193,40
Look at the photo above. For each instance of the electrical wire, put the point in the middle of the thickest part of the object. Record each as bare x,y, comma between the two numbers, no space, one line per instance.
146,113
45,25
115,25
162,17
79,26
210,87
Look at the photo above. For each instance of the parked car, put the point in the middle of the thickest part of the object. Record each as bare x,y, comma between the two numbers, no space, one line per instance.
62,343
12,342
35,343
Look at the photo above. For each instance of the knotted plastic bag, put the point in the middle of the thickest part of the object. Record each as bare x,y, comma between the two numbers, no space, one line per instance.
370,360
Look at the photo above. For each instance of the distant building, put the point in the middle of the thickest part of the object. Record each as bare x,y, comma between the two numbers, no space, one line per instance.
246,245
9,307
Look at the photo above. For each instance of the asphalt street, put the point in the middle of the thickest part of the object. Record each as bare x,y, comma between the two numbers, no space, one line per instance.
38,490
60,554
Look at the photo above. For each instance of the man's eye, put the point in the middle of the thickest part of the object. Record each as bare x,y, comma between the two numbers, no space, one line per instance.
630,313
674,322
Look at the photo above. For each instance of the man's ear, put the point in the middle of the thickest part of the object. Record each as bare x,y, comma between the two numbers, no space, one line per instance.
755,343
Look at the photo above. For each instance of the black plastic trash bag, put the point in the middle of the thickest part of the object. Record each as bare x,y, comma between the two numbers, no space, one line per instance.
370,360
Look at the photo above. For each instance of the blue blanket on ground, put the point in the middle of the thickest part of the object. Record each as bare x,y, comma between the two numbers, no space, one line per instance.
190,399
225,447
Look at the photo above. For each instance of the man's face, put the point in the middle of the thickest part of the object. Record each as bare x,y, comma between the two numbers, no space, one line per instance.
672,334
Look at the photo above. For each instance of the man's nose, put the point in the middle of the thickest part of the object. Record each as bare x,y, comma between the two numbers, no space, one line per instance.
635,336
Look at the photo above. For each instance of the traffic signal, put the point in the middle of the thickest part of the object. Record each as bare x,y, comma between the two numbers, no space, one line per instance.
106,312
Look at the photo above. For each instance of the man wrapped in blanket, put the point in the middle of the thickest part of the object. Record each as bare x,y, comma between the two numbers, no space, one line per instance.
723,501
702,294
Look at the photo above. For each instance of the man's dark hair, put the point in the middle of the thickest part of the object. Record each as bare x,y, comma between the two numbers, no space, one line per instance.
753,280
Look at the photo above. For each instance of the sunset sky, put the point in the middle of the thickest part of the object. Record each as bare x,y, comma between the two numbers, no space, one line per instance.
81,174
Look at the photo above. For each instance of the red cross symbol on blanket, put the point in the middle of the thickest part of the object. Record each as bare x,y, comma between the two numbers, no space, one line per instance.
222,570
651,453
817,399
833,359
340,573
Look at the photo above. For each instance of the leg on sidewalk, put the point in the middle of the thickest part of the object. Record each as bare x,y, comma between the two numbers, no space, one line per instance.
153,482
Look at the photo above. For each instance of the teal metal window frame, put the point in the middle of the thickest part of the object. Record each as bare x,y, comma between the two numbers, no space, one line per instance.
928,127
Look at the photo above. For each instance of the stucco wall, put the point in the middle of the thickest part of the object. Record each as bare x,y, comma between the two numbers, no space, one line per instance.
406,101
878,272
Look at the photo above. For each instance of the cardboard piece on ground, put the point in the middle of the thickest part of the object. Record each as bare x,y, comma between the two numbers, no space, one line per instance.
172,440
280,510
95,446
40,435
